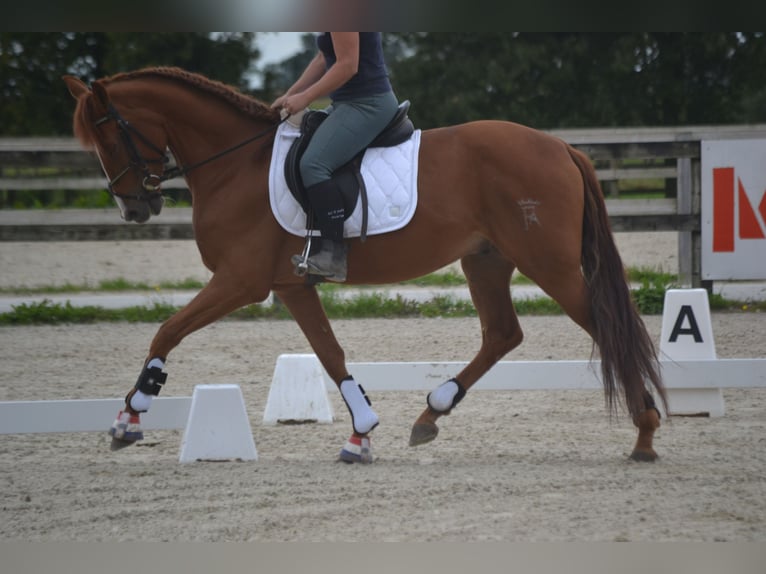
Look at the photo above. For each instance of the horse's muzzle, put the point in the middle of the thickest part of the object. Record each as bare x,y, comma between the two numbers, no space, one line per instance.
140,215
141,211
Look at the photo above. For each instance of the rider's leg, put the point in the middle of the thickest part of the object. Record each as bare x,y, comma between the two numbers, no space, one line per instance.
349,127
327,204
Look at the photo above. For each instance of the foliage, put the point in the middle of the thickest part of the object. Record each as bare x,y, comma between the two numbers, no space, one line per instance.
578,79
650,297
645,275
35,100
546,79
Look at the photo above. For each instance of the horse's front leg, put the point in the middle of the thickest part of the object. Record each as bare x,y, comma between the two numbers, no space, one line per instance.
217,299
304,304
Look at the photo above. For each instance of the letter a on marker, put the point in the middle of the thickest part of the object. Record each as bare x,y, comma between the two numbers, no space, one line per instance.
686,312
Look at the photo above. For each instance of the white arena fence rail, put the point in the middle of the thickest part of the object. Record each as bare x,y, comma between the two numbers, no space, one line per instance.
21,417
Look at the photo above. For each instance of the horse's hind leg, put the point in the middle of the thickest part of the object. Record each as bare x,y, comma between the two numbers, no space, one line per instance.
571,293
488,275
647,422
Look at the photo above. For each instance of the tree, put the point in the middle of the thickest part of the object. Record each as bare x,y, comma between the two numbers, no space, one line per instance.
545,80
556,80
35,101
226,57
702,78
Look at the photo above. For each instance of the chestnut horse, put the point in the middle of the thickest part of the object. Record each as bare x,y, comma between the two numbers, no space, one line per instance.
496,195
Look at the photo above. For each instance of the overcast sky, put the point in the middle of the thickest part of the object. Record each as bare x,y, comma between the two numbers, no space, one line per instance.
278,46
275,47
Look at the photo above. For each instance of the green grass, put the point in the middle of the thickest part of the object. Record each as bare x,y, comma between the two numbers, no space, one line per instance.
649,297
48,313
113,285
443,279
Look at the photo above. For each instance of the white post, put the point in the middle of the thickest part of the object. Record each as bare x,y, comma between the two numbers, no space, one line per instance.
218,427
687,334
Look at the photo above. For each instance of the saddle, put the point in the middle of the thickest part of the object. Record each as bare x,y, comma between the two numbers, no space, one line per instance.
349,176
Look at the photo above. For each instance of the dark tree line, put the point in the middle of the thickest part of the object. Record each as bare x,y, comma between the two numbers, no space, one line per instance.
35,100
546,80
557,80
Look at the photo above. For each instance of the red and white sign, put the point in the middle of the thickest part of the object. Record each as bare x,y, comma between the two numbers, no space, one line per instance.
733,209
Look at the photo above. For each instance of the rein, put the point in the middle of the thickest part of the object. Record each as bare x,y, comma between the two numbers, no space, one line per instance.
152,182
183,170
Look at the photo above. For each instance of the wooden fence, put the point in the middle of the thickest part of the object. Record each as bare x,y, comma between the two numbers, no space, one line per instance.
636,155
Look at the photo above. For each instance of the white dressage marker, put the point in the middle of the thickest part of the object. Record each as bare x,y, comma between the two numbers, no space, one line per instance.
218,427
687,334
298,393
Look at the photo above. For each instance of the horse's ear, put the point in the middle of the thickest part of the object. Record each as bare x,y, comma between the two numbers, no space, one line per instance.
100,95
76,86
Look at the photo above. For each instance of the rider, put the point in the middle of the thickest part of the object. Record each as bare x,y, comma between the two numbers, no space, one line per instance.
349,67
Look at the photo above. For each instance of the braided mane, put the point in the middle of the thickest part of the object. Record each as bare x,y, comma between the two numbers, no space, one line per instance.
247,104
84,127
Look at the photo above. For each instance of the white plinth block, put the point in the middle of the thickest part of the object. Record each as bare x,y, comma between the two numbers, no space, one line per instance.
687,335
218,427
298,393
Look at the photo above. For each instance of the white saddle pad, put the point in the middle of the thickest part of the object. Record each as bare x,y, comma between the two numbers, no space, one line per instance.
390,175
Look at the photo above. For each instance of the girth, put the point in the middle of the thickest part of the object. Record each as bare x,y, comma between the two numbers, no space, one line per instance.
349,176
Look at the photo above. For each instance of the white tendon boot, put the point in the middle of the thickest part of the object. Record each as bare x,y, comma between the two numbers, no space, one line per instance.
444,398
364,419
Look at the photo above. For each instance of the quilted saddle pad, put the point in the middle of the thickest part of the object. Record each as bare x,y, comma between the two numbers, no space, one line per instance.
390,174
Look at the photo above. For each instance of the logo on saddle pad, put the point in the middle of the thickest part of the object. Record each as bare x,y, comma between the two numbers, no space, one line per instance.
390,176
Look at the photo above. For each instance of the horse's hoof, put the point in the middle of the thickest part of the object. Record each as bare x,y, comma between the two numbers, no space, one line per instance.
644,455
423,433
125,430
357,449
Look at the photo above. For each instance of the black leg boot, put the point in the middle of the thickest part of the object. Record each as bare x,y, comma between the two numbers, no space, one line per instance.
330,261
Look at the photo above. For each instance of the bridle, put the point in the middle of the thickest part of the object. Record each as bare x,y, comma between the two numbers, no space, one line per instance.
151,182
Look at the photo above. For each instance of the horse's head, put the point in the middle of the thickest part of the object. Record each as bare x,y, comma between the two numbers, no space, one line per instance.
130,143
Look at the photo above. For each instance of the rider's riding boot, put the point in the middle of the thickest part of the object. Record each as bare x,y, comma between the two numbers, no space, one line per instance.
330,261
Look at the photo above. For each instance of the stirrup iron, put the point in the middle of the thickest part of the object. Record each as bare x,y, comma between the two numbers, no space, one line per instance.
302,266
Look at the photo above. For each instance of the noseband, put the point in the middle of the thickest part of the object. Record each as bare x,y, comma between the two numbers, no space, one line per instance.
150,182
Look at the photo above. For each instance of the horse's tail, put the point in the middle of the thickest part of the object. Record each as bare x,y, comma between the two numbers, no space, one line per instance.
628,356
